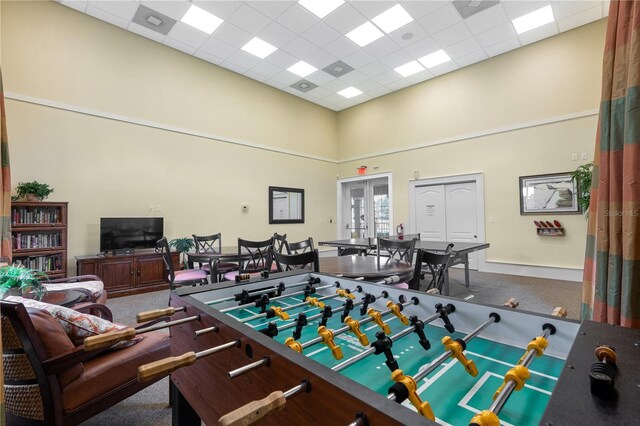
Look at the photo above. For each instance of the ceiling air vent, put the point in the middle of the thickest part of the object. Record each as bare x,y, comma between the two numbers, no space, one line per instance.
153,20
304,86
469,8
338,69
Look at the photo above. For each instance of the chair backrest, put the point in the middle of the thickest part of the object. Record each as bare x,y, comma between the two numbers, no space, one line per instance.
306,260
301,246
163,247
280,243
260,255
208,243
396,249
436,263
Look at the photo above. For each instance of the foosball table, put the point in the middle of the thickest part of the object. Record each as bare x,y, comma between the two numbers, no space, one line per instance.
308,348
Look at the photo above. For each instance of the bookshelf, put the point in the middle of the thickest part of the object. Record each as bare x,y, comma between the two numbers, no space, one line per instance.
39,236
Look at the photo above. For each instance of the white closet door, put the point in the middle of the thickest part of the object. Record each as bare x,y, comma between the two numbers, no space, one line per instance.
461,216
431,213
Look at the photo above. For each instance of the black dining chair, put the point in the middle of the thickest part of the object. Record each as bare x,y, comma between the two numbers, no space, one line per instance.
301,246
289,262
213,243
434,264
389,250
253,258
181,277
280,243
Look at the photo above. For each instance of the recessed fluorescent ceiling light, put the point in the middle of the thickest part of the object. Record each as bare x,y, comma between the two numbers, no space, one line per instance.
436,58
259,48
321,8
365,34
201,19
350,92
409,69
392,19
302,69
534,19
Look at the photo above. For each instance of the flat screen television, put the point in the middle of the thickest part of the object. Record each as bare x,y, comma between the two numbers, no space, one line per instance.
126,234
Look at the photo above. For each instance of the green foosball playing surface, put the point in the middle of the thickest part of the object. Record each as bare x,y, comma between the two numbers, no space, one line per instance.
454,395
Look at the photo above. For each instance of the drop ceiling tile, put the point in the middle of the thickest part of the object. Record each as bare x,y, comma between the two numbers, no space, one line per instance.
249,20
232,35
217,48
334,98
375,93
372,9
444,68
122,9
422,48
278,85
581,18
471,58
381,47
233,67
74,4
463,48
564,9
400,84
207,57
173,9
397,58
539,33
321,34
256,76
179,45
341,47
419,77
320,93
221,9
358,59
374,68
496,35
299,47
410,34
271,8
388,77
286,78
452,35
107,17
487,19
320,59
502,47
335,85
368,85
320,77
354,77
243,59
417,9
276,34
345,18
267,69
297,19
440,19
145,32
516,9
187,34
281,59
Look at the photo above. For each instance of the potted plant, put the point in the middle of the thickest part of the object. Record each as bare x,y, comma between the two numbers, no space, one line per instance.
582,176
183,245
33,191
17,280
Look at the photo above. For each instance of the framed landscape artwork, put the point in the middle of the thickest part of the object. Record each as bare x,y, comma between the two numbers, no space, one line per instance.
554,193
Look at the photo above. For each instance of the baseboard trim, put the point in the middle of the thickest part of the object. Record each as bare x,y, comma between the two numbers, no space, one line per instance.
565,274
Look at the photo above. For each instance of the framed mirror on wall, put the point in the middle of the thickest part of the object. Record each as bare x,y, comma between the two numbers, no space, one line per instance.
286,205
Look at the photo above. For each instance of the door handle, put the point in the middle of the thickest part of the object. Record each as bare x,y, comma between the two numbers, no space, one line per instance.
475,236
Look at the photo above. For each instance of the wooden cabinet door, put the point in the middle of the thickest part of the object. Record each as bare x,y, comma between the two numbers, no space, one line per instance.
117,274
150,271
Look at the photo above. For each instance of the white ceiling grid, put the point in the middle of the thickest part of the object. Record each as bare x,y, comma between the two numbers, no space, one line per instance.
299,35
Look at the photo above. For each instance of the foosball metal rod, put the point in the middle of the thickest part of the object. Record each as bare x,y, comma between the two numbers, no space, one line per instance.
165,366
255,410
253,293
213,329
266,361
296,293
107,339
354,359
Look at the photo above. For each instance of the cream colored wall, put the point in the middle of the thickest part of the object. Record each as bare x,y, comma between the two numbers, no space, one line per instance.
106,167
553,78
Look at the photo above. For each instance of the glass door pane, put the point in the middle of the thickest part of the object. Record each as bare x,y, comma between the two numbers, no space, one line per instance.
381,227
357,224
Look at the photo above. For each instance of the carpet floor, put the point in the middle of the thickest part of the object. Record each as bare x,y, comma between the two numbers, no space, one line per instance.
150,406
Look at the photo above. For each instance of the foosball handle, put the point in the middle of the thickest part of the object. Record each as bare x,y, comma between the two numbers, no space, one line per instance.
418,328
165,366
457,347
383,345
262,303
511,303
157,313
300,323
92,343
366,300
354,325
327,313
377,318
603,372
348,307
397,311
254,411
444,312
559,311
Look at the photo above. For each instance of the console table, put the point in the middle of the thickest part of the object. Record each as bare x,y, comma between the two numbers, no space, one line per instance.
126,274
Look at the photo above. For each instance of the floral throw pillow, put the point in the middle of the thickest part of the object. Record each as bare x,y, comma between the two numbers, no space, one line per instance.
77,325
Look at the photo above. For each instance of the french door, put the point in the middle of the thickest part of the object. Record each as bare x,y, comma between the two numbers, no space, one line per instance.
365,208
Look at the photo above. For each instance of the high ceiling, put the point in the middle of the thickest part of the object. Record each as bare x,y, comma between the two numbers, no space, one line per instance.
459,33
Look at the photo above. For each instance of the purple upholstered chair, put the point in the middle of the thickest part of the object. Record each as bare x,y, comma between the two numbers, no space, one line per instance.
182,277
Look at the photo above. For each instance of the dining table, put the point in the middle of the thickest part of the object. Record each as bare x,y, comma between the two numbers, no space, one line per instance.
368,267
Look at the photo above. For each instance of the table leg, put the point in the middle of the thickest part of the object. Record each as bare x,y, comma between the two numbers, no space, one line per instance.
445,285
182,414
466,270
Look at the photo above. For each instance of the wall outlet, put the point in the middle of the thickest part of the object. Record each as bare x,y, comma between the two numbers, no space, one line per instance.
574,157
583,155
159,208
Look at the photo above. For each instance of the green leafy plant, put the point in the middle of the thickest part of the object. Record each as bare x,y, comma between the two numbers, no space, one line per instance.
582,176
35,188
20,277
183,245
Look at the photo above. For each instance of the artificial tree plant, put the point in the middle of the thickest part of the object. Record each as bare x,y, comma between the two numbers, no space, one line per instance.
183,245
582,176
21,280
